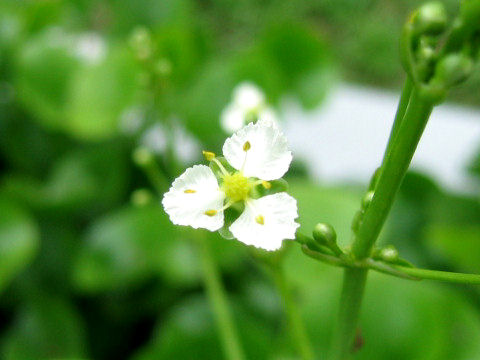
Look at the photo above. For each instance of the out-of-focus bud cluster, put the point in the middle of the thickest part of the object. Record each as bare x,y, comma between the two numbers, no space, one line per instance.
437,56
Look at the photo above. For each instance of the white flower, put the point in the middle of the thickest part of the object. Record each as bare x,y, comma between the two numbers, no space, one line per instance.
248,105
259,153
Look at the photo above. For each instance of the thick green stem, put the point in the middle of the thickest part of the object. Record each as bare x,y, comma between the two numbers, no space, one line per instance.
391,174
399,115
218,300
398,156
296,326
350,303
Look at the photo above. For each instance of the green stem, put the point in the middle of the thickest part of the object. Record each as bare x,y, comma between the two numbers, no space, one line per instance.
158,180
399,115
354,281
211,277
400,152
392,172
218,300
297,328
472,279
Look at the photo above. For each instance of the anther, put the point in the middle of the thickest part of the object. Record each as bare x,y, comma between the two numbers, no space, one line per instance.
209,156
190,191
211,212
266,185
247,146
260,220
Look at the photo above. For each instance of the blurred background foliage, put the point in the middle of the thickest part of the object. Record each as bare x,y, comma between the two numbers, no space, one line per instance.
86,274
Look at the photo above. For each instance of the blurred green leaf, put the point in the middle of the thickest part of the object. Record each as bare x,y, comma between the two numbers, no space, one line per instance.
458,245
45,67
122,249
189,332
46,328
93,177
99,93
19,241
69,93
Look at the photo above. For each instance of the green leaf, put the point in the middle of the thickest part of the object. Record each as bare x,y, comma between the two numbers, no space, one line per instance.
98,94
189,332
46,328
45,68
122,249
93,178
19,241
64,92
457,245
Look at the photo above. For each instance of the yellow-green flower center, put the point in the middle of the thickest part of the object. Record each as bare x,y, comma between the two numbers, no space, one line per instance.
236,186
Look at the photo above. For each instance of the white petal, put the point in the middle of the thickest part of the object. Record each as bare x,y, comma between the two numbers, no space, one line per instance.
188,208
278,211
268,157
248,96
268,116
232,118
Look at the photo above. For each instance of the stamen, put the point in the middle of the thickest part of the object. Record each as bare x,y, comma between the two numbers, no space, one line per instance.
266,185
227,205
190,191
211,212
209,156
247,146
222,168
260,220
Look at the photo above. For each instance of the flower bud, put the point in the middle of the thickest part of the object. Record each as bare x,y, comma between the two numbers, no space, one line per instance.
367,199
141,197
453,69
325,234
163,67
141,43
142,156
389,254
431,19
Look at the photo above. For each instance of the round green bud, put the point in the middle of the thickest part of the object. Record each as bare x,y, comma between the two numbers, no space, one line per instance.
141,43
389,253
163,67
141,197
367,199
324,234
431,19
453,69
142,156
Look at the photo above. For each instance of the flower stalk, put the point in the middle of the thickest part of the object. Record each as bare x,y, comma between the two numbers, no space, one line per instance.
397,160
216,294
296,326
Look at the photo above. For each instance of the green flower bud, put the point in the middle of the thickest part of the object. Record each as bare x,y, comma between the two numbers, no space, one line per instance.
324,234
431,19
367,199
142,157
389,254
163,67
141,197
453,69
141,43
